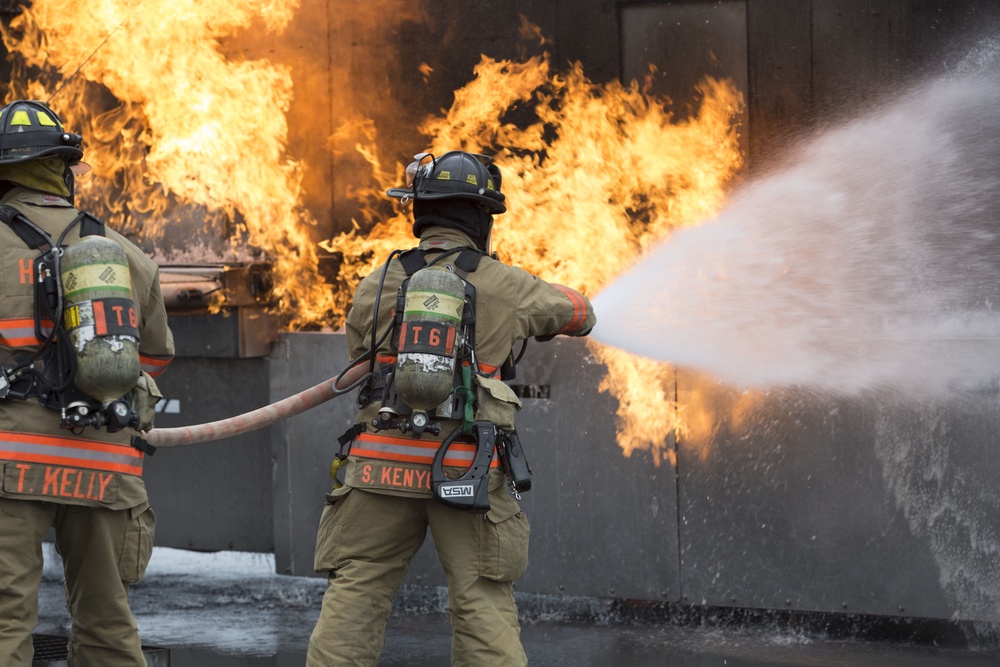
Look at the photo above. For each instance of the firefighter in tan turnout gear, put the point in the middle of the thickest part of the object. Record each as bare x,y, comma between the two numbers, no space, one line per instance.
434,445
83,331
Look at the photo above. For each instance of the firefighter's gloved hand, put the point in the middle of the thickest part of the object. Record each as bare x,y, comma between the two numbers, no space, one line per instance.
548,337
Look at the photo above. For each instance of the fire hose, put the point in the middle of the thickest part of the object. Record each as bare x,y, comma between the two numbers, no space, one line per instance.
298,403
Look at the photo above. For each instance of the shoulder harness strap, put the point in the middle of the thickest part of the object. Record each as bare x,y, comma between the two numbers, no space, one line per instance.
412,260
89,225
468,261
25,229
36,238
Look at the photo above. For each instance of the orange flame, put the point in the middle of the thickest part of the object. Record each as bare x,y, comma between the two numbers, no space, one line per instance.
189,133
177,131
603,175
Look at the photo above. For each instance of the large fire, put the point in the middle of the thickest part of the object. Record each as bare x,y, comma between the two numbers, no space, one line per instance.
176,129
603,175
173,127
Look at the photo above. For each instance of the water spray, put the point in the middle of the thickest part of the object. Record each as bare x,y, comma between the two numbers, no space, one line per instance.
871,261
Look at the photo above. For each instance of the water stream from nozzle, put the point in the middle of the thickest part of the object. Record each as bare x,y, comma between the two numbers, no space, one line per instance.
870,261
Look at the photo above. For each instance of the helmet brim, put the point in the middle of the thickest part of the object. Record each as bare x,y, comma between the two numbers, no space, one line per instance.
68,153
399,193
495,207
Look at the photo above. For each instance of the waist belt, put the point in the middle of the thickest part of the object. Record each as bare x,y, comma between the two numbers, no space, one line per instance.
412,450
77,453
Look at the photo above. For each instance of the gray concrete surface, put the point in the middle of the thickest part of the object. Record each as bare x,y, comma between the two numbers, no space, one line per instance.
230,609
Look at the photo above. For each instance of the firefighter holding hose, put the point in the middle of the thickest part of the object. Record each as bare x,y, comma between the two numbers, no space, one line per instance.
434,444
83,331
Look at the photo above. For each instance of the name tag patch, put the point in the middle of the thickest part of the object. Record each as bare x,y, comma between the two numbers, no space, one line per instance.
35,479
390,476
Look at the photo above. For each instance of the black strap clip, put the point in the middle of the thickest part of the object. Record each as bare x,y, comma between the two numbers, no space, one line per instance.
470,491
348,436
142,445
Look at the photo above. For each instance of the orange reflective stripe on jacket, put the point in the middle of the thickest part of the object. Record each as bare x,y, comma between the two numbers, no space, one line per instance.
73,452
580,310
412,450
20,332
154,365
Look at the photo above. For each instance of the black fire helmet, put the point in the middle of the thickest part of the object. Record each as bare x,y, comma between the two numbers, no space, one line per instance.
456,174
30,130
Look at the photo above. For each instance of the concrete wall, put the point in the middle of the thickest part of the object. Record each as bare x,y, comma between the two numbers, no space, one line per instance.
788,501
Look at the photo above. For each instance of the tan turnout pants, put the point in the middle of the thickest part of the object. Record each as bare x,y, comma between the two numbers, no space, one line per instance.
103,551
366,542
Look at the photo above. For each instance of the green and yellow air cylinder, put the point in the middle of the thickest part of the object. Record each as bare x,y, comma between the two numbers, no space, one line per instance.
100,318
429,338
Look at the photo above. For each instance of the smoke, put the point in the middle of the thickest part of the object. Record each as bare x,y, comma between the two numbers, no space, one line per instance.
870,261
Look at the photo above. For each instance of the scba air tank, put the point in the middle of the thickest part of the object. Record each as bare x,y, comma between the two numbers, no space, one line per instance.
429,338
100,318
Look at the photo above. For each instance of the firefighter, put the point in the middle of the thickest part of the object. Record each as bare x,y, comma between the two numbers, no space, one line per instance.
377,519
84,477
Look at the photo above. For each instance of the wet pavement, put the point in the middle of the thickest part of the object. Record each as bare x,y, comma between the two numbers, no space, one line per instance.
231,610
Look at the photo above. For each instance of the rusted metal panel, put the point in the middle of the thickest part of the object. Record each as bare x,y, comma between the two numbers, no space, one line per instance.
783,506
685,42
